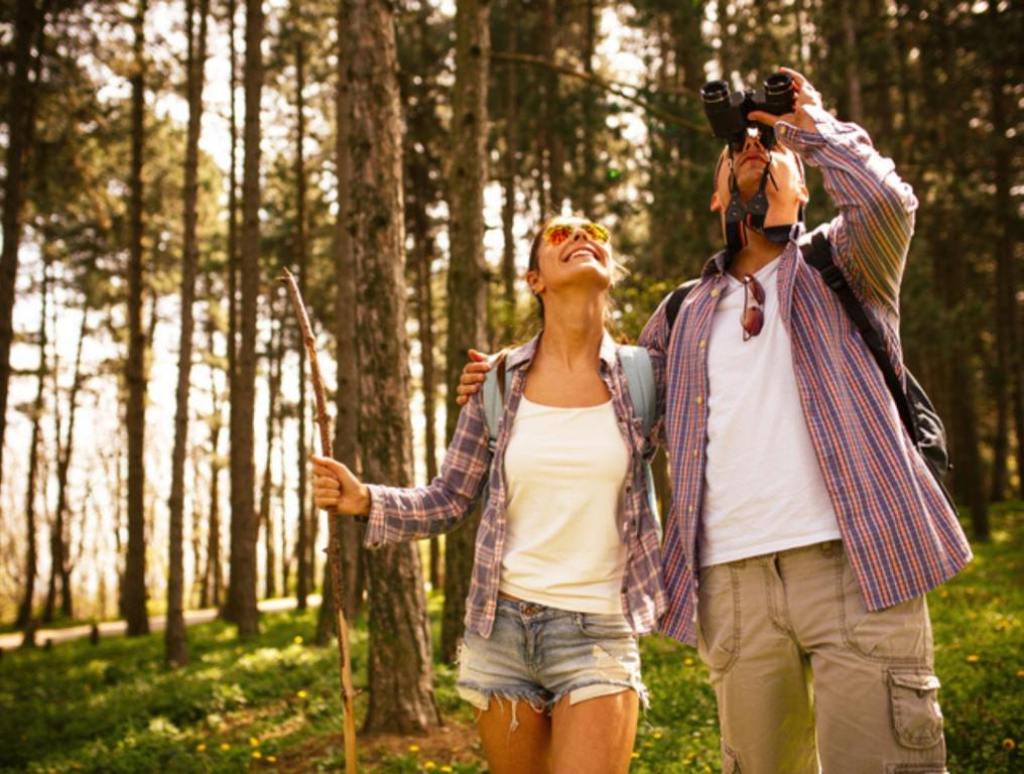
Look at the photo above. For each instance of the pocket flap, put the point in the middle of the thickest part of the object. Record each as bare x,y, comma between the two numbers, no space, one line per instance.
916,681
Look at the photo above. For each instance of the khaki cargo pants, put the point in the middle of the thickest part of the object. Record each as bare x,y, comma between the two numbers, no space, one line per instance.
807,679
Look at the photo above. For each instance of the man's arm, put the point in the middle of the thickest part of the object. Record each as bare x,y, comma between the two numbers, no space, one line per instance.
655,338
871,235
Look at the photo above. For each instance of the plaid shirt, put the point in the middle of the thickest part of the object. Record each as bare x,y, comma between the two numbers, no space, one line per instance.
901,535
409,514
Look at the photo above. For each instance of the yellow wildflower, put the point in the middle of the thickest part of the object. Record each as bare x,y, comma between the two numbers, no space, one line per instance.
201,747
271,759
297,639
254,741
224,747
657,734
634,755
688,661
257,754
302,694
1009,744
973,658
446,769
414,748
429,765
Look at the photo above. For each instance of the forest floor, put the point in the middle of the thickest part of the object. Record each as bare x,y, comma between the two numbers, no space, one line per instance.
272,704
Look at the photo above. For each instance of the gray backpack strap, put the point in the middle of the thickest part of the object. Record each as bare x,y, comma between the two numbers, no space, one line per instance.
494,398
636,362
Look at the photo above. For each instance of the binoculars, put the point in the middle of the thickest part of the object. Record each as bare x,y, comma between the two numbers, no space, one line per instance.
727,111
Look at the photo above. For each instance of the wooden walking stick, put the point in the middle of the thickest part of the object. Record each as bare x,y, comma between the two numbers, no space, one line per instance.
334,538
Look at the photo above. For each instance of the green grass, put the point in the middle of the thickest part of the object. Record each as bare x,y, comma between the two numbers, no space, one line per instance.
272,703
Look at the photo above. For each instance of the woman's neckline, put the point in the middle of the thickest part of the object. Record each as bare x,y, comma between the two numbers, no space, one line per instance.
566,408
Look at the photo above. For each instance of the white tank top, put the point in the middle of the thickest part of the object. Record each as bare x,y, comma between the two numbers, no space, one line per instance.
565,469
764,490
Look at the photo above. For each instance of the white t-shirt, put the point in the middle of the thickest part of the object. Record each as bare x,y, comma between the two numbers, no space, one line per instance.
763,488
565,469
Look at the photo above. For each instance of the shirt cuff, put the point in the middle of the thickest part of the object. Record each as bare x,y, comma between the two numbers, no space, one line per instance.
376,525
802,141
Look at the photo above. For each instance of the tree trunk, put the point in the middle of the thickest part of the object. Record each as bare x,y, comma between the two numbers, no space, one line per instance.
302,548
21,108
424,247
232,257
1007,376
467,273
241,603
31,545
508,210
853,90
60,568
400,671
213,585
275,353
552,137
175,637
586,175
346,537
135,566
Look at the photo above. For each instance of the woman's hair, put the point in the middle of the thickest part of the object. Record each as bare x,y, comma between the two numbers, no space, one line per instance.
617,269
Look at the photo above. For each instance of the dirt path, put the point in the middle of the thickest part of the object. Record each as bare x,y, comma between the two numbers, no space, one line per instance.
156,624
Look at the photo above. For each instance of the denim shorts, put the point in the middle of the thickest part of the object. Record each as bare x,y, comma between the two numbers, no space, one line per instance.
539,654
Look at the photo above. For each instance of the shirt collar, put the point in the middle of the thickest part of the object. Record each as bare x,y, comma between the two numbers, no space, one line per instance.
523,354
716,264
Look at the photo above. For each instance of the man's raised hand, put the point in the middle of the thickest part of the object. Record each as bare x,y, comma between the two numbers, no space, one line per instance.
473,375
335,488
805,94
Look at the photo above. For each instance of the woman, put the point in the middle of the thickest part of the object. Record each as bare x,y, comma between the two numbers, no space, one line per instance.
567,565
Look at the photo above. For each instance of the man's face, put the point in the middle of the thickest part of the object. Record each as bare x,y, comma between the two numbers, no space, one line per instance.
785,196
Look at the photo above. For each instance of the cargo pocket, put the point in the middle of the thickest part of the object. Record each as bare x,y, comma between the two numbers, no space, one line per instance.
916,717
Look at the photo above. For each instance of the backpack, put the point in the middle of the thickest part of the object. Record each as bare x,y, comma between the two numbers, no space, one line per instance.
915,408
636,363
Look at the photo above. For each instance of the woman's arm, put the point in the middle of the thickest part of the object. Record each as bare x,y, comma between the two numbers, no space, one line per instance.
399,514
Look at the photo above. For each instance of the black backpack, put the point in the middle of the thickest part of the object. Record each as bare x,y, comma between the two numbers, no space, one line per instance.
915,407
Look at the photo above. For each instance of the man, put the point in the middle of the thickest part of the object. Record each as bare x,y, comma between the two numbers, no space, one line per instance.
805,527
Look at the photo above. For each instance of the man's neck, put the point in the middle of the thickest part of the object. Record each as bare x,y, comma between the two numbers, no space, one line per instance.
758,253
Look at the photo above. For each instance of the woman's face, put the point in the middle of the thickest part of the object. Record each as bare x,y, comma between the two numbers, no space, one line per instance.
574,253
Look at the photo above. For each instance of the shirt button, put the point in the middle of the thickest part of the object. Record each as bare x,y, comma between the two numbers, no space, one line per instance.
703,343
715,292
700,399
691,509
696,453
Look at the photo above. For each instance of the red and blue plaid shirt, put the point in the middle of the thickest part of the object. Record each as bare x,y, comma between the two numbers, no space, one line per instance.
900,533
409,514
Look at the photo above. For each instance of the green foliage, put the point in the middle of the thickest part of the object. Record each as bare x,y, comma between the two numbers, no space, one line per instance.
115,707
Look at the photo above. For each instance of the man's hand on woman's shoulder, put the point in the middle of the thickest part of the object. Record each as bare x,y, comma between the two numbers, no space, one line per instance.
473,375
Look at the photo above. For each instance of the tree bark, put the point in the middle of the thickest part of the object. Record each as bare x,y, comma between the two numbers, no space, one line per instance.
467,273
241,603
508,210
60,570
400,670
213,577
346,422
552,138
31,544
29,21
305,577
135,565
1008,368
275,354
175,637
